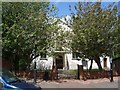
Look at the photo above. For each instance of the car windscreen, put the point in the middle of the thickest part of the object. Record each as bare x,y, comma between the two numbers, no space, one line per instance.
9,77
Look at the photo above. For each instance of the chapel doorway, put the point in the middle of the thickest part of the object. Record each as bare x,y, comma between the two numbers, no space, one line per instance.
59,61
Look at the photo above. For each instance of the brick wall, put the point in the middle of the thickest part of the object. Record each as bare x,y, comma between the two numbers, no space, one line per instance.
5,64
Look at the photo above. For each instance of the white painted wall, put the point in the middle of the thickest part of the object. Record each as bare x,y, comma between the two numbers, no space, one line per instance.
42,63
94,66
108,62
72,63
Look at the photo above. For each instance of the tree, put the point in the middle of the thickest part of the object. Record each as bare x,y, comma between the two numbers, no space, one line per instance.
25,30
0,30
117,45
94,30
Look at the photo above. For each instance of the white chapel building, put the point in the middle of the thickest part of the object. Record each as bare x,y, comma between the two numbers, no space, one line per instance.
65,59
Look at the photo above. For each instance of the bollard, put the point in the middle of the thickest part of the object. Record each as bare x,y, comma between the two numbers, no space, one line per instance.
78,72
46,75
111,73
54,73
35,72
81,75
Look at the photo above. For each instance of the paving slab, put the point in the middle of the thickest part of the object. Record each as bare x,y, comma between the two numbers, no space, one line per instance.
98,83
72,83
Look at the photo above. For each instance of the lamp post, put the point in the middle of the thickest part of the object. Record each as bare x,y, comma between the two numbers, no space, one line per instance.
111,70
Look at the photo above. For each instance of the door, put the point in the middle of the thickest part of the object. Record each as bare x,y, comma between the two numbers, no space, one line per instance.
59,62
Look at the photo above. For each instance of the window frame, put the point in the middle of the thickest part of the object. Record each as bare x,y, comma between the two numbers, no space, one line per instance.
75,55
43,56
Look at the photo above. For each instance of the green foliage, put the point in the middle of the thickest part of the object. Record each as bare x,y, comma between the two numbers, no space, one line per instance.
22,64
117,45
73,72
26,28
95,30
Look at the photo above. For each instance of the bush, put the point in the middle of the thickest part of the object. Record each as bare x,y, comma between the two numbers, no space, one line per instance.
22,64
72,72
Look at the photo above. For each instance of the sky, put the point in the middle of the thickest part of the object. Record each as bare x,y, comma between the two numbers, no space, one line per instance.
63,7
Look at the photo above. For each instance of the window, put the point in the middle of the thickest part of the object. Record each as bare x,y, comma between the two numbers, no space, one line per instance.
43,55
75,55
105,62
84,63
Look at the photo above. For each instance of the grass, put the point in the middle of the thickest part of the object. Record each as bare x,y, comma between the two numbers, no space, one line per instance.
75,72
72,72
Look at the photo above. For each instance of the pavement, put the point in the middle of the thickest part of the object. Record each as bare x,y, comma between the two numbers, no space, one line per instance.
72,83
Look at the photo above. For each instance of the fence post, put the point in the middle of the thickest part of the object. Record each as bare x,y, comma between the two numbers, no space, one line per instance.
78,71
53,73
35,72
81,72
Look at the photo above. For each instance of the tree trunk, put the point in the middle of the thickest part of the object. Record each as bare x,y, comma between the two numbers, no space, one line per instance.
16,63
91,65
97,60
29,60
